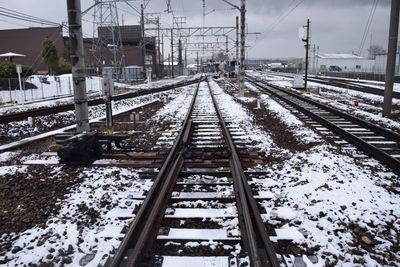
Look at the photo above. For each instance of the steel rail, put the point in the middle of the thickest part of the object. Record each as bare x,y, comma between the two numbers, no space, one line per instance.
6,118
351,86
345,84
373,127
136,245
358,142
255,235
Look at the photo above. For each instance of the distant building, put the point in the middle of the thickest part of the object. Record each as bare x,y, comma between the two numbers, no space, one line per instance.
343,63
380,64
131,53
29,42
255,63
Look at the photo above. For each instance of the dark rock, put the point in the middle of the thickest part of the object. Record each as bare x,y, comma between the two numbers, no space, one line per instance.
70,249
67,260
86,259
16,249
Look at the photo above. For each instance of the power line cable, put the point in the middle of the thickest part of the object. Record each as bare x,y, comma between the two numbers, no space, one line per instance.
368,26
280,18
21,16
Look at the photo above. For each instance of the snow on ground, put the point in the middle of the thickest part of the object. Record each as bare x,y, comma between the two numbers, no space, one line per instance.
241,119
56,96
342,99
341,204
84,229
342,209
363,110
288,83
87,226
54,87
41,124
336,202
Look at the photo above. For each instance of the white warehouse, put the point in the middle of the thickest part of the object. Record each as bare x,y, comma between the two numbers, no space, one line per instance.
380,64
344,63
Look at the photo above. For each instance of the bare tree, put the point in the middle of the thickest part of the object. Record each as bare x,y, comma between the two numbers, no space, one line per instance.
374,50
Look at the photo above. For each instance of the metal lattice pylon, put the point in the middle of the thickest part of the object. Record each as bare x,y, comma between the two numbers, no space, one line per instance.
107,49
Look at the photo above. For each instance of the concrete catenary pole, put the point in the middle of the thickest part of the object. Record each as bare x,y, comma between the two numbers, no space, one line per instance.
391,58
159,49
237,37
242,45
78,65
307,49
143,37
198,63
172,54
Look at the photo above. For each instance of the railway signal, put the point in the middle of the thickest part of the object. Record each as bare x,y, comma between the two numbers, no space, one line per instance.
305,39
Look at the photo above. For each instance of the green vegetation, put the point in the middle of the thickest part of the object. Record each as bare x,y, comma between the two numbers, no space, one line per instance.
50,55
8,70
63,67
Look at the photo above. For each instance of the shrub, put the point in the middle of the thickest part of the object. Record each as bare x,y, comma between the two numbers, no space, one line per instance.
62,68
8,70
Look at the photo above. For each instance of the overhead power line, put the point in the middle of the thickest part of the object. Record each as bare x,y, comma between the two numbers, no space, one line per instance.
281,17
5,12
368,26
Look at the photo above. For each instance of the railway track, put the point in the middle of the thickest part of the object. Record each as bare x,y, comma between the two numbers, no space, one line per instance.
346,84
201,193
378,142
351,86
6,118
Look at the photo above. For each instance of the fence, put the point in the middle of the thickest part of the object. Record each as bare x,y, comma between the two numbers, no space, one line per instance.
42,87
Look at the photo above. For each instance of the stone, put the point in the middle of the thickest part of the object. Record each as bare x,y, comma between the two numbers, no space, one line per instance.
16,249
86,259
70,250
67,260
366,240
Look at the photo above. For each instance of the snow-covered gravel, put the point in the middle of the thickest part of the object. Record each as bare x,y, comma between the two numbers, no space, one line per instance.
19,129
369,107
87,227
331,203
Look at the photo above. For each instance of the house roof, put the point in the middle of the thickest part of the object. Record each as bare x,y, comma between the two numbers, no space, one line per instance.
339,56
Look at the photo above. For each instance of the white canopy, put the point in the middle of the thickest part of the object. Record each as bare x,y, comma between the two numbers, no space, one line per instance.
11,54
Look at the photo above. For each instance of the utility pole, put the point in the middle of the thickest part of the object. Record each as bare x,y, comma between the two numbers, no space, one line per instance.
162,56
185,58
313,61
391,58
204,24
180,58
242,45
317,59
237,37
307,41
143,38
108,91
78,65
158,48
198,69
227,48
172,53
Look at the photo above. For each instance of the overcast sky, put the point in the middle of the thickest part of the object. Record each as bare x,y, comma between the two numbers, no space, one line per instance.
336,25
